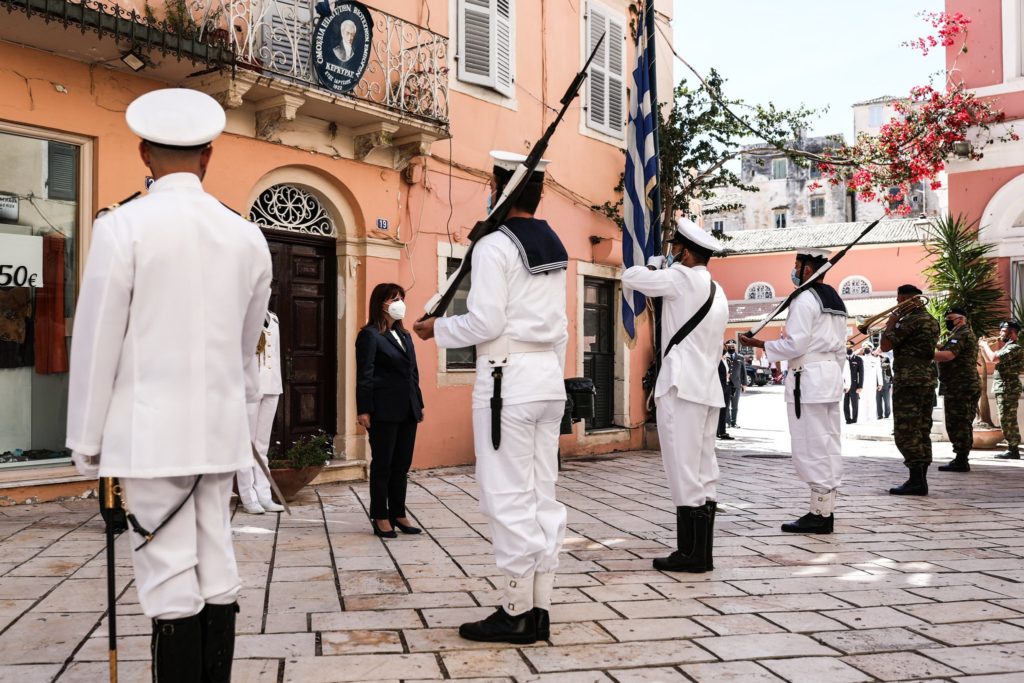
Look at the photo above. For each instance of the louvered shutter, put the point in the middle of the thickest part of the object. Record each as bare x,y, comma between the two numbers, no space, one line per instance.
287,37
62,171
487,44
606,85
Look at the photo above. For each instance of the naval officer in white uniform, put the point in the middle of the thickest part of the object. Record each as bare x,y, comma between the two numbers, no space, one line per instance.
814,345
516,319
688,393
253,485
163,366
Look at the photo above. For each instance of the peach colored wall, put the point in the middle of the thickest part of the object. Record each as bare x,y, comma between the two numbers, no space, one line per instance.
983,63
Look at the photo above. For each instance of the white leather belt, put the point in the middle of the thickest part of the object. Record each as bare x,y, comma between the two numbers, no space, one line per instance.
801,361
498,350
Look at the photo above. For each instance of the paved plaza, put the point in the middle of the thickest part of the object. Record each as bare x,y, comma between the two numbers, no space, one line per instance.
906,589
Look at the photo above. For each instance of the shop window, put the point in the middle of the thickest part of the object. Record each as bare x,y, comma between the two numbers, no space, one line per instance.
38,237
817,207
599,348
759,290
464,358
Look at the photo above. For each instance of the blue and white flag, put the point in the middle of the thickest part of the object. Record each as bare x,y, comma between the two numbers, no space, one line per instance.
640,238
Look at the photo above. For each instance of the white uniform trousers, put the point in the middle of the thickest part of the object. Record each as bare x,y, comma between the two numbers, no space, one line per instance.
815,441
190,561
252,483
687,431
517,486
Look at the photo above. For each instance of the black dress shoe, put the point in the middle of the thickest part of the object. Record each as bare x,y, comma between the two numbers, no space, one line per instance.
502,627
956,465
725,437
810,524
405,529
382,534
543,623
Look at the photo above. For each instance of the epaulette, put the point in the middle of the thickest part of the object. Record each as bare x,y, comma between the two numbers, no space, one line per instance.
117,204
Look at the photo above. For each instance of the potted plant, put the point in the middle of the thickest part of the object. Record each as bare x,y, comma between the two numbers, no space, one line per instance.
963,274
301,463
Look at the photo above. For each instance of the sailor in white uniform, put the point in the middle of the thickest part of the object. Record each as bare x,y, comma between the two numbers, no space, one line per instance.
253,485
688,394
162,369
516,319
814,345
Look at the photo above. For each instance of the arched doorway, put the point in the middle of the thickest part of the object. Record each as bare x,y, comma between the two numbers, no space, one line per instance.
302,234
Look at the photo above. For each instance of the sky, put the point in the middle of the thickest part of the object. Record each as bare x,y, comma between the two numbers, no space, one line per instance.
813,52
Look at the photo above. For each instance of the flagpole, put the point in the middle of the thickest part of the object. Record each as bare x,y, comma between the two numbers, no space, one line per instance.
652,78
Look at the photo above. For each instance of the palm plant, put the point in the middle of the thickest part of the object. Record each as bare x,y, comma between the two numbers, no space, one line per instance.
963,274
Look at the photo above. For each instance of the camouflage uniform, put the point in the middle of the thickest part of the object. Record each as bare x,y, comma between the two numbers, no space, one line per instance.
1007,389
961,388
913,340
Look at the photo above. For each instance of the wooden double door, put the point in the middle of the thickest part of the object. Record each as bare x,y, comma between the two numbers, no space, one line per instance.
304,297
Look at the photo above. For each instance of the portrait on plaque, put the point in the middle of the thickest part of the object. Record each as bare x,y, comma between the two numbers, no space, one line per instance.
342,40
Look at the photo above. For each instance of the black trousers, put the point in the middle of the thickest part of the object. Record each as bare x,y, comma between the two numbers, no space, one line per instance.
722,421
883,401
391,446
851,401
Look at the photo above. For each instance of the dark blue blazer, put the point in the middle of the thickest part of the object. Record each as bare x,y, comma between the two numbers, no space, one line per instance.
387,378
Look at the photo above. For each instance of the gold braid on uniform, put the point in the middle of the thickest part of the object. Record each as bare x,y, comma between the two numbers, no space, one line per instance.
261,348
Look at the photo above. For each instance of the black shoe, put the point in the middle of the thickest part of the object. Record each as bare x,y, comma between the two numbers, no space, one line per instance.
502,627
957,464
692,540
382,534
404,528
725,437
916,485
811,524
543,623
218,627
1012,453
712,508
176,647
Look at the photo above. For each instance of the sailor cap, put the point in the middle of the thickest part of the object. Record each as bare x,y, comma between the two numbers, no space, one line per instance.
688,231
509,161
176,117
814,253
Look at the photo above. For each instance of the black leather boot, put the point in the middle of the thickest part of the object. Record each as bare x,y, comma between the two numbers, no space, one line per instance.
543,623
177,648
811,524
712,508
218,625
502,627
692,535
1012,453
916,485
957,464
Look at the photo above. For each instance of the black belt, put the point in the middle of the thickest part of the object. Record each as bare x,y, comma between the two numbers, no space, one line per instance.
496,408
796,392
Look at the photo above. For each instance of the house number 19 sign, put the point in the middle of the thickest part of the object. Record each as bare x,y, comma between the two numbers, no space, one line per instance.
21,261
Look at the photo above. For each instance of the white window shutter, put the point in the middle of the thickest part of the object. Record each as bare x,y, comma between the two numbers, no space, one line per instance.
597,82
616,42
476,46
505,48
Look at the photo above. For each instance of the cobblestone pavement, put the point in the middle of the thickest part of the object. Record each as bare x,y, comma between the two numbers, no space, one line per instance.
906,589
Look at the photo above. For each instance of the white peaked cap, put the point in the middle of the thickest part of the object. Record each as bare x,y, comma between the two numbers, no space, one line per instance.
815,253
685,228
510,161
176,117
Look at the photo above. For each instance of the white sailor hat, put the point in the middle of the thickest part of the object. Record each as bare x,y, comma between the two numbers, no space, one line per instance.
176,117
814,253
509,161
688,231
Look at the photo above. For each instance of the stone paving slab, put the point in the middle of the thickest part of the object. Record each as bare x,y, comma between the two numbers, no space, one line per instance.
926,589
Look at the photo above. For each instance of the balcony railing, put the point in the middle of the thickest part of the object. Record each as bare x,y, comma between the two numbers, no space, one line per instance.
407,71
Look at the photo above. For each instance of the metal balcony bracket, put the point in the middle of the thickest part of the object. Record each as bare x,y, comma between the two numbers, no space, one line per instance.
378,135
274,112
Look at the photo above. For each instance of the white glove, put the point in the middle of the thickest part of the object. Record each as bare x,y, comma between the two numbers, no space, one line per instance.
88,465
656,261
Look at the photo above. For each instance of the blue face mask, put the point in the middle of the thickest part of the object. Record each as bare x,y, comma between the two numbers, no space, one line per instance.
795,277
490,203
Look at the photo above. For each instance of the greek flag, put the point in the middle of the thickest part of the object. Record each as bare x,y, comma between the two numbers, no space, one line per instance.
640,237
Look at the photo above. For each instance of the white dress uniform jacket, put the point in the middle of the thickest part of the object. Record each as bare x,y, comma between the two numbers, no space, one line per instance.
270,361
153,385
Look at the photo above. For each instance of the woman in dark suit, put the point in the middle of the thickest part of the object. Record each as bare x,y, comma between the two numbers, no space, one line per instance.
389,404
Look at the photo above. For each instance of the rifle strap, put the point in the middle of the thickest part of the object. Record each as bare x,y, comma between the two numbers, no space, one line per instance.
691,324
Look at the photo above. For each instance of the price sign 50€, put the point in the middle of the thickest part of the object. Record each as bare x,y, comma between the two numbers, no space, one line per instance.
21,261
17,276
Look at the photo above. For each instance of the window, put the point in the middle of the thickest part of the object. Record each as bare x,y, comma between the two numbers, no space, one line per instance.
1017,288
855,285
780,169
599,347
487,44
62,171
606,84
464,358
875,115
817,207
780,219
759,290
894,202
719,226
286,37
815,170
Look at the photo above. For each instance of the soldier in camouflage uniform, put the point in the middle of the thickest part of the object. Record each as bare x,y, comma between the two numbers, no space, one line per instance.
912,338
960,387
1009,364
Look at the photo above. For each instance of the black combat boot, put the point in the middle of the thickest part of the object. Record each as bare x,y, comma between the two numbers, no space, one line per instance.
502,627
177,648
1012,453
957,464
543,623
916,485
692,536
218,625
712,507
811,524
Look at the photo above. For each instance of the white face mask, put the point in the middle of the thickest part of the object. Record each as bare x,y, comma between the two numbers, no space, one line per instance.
396,309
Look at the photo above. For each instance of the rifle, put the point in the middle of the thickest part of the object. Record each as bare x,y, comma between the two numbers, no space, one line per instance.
440,302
